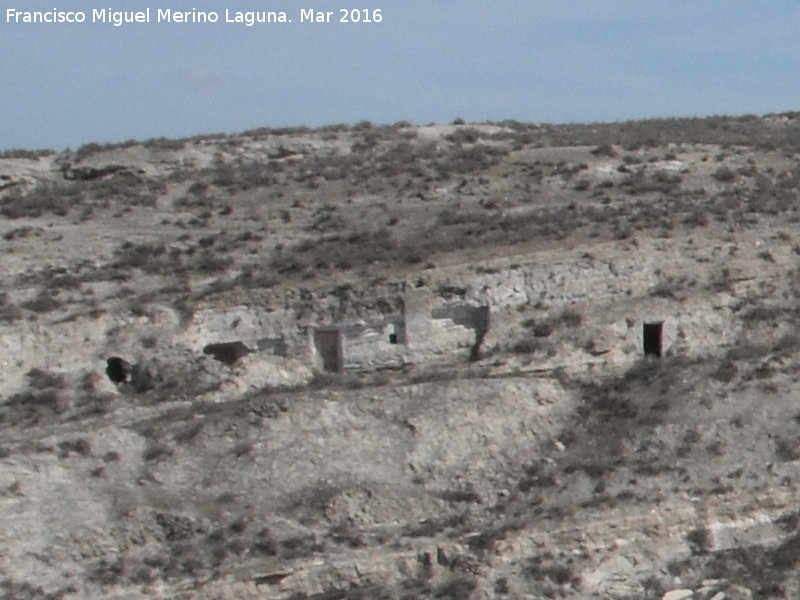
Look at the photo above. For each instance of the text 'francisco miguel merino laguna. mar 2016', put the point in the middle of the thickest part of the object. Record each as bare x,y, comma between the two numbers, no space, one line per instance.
119,18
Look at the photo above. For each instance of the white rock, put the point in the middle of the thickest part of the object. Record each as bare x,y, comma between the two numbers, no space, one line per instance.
678,595
737,592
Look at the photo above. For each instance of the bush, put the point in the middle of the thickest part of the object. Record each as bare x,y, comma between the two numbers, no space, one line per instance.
264,544
39,379
43,401
526,347
699,540
724,175
571,318
458,587
156,451
26,154
726,372
19,232
641,182
544,329
663,289
207,263
697,218
466,135
605,150
767,256
80,446
145,256
163,143
39,201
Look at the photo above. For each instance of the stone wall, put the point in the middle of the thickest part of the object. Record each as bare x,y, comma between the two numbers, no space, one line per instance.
376,344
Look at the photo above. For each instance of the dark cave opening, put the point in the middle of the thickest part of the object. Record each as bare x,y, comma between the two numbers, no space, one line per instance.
227,352
118,370
653,339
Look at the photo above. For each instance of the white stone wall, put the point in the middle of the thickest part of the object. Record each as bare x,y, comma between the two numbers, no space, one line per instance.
368,346
259,329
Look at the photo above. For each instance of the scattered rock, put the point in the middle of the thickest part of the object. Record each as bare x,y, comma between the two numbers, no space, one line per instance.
738,592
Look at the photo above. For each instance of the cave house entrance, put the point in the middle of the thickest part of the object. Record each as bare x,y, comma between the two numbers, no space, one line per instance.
329,347
653,338
227,352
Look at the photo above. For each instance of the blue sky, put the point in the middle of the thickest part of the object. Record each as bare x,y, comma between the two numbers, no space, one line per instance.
64,85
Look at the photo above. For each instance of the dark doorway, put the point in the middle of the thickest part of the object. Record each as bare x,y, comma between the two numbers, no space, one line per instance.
397,333
118,369
328,343
653,339
228,352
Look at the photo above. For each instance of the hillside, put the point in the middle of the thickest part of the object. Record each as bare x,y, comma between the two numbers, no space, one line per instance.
491,360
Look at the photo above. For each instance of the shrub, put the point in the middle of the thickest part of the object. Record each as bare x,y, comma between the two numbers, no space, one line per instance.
544,329
66,281
19,232
37,202
108,572
264,544
9,311
526,346
699,540
299,547
787,450
255,275
641,182
545,568
726,372
188,433
582,185
697,218
144,256
571,318
767,256
112,456
724,175
26,154
605,150
467,135
163,143
208,262
80,446
44,400
457,587
663,289
39,379
462,495
156,451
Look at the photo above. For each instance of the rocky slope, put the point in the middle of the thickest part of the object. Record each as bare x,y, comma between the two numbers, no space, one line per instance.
547,459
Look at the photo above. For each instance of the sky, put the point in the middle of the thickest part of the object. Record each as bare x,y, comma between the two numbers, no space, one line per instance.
66,84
